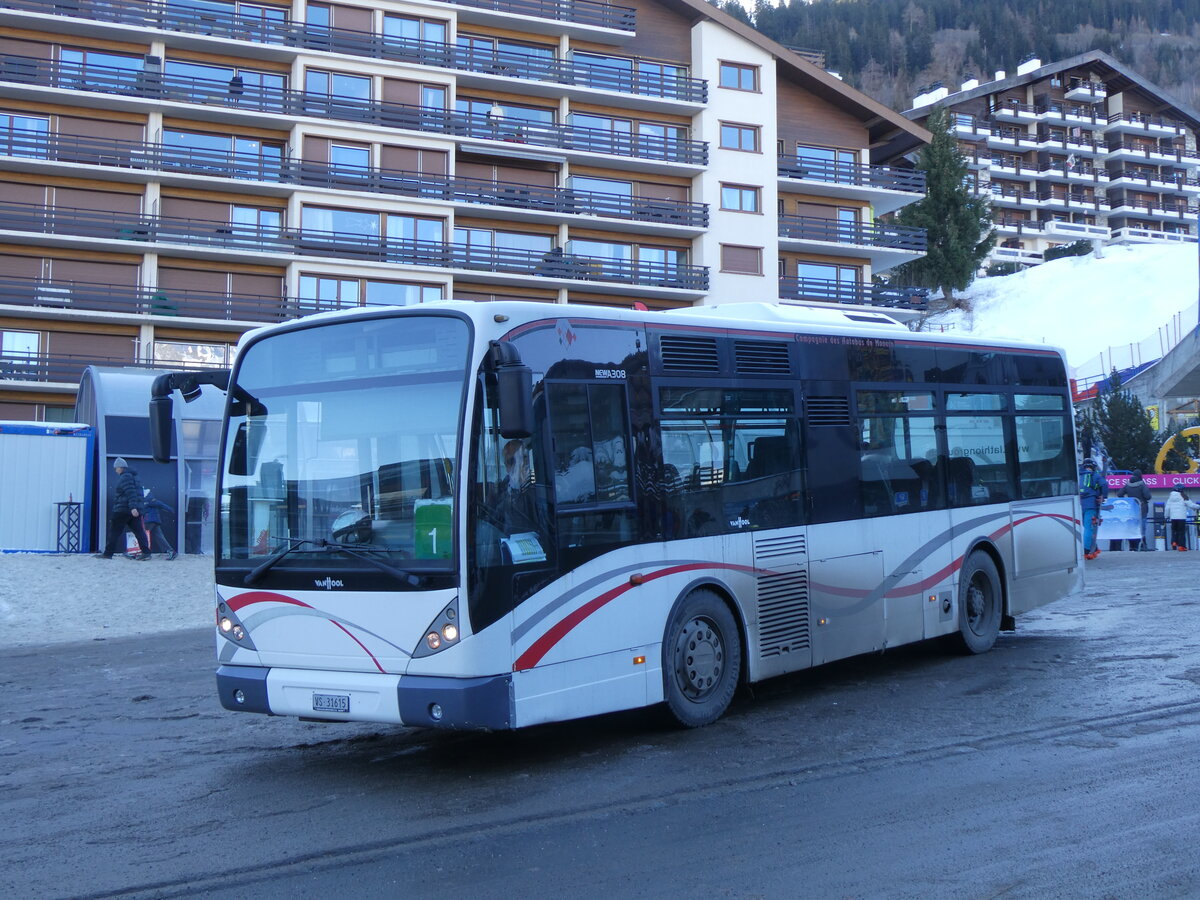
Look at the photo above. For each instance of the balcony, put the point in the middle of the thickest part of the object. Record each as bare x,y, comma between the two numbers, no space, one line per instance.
1014,111
858,293
1141,123
1178,211
1020,198
221,239
1152,180
156,87
1014,225
31,149
1125,150
884,245
1074,231
568,12
1018,255
1070,114
1077,173
234,26
109,298
1072,201
1009,138
1086,91
886,189
1138,235
66,369
969,128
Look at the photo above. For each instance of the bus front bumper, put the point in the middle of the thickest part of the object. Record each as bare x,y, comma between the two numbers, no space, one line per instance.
418,700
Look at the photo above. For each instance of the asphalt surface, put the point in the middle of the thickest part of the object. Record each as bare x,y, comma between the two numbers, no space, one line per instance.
1061,763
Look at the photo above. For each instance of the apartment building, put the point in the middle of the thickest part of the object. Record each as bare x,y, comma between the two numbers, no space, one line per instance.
175,173
1079,149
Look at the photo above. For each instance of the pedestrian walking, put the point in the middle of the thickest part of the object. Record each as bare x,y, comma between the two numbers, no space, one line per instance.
126,511
152,510
1137,488
1093,489
1178,507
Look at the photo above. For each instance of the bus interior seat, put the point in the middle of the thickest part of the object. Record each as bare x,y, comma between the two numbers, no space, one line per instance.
768,456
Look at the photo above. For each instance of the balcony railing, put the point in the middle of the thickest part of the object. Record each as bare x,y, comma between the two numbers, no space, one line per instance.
236,94
1142,120
231,24
812,168
1179,154
28,217
96,297
584,12
861,293
893,237
1178,179
66,367
78,149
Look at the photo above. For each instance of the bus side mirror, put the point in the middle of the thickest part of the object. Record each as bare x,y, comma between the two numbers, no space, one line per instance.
161,422
514,391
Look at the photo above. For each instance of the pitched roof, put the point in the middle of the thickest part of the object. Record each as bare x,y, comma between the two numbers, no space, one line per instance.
1116,75
891,134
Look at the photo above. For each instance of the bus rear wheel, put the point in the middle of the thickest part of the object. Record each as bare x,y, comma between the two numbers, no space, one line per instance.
702,659
980,604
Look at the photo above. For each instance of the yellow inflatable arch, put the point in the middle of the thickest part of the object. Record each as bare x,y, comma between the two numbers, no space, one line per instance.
1193,464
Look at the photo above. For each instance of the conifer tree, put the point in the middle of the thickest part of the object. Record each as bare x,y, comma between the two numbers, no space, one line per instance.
957,222
1123,426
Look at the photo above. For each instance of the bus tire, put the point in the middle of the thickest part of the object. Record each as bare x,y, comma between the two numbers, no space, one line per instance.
702,659
980,604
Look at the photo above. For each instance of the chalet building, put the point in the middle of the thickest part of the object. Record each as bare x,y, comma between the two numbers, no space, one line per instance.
1079,149
175,173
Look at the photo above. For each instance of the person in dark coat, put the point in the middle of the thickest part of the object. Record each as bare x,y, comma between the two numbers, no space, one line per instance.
126,510
1137,488
152,509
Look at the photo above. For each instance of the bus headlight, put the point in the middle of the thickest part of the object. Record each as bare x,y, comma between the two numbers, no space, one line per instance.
443,632
230,627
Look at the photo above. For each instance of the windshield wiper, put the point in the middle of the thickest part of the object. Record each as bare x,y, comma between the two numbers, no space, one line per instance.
352,550
253,576
267,564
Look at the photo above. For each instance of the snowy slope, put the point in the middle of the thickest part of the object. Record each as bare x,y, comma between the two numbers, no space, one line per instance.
1087,305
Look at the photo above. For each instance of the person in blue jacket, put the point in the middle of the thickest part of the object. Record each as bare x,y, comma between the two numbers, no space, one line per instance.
1093,489
152,509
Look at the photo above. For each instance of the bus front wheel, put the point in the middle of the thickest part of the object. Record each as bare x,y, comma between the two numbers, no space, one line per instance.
702,659
980,603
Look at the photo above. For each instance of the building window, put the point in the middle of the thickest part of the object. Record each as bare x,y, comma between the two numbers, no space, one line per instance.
179,352
18,349
739,77
741,260
739,137
337,84
408,28
740,198
239,82
224,154
323,292
23,135
349,159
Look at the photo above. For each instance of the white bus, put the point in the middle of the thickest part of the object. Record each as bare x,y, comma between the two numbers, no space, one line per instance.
492,515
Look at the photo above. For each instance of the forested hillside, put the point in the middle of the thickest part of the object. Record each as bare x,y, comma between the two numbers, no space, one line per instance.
888,48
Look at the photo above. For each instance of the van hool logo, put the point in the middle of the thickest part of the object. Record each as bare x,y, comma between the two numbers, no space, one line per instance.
739,522
328,583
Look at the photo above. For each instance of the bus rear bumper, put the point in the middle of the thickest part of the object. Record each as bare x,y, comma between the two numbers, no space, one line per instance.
419,700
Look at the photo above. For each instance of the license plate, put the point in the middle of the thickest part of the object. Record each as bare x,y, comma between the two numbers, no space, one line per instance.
331,703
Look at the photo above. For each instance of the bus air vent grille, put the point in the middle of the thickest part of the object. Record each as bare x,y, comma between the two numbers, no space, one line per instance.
828,411
783,613
761,358
689,354
777,549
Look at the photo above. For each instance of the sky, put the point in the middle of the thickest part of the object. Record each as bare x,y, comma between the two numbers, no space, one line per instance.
1086,304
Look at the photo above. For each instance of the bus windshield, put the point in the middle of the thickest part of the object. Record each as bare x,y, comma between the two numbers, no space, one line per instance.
346,436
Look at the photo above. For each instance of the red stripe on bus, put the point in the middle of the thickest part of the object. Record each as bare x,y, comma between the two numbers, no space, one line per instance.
539,648
243,600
